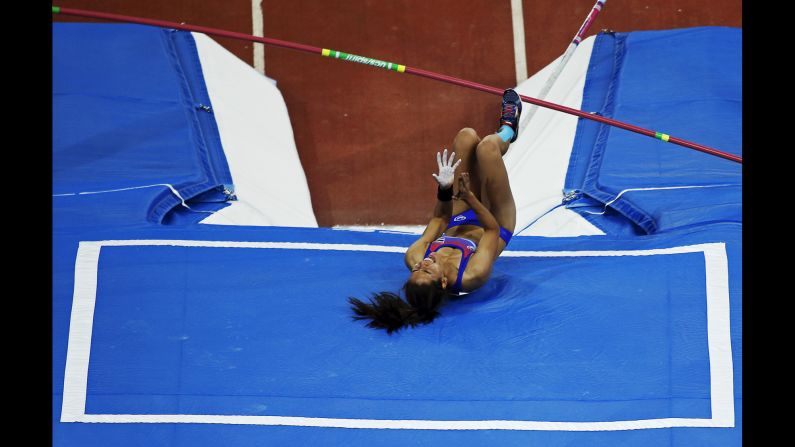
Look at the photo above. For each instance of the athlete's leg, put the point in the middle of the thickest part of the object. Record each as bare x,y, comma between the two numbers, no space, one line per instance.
495,188
464,146
496,192
488,176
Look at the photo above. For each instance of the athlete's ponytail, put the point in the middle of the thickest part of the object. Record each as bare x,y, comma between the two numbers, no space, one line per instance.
387,310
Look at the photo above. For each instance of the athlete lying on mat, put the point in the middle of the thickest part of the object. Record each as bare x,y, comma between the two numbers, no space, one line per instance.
463,239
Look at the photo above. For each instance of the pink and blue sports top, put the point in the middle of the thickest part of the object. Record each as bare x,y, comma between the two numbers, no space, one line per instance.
467,248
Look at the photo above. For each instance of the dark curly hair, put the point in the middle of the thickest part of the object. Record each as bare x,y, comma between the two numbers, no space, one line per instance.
387,310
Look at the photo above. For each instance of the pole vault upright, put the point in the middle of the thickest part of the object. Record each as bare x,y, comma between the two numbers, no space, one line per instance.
398,68
575,42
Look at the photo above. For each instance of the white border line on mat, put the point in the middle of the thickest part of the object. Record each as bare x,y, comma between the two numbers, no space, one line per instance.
718,331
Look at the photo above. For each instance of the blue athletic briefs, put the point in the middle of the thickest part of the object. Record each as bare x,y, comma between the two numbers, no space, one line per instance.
468,217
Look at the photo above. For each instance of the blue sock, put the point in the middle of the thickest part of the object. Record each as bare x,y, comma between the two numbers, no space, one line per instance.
505,133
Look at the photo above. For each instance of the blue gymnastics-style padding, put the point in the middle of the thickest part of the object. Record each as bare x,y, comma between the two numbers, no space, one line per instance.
686,83
248,331
177,329
130,109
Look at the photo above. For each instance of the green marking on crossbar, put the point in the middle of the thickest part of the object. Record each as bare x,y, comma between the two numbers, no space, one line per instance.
363,60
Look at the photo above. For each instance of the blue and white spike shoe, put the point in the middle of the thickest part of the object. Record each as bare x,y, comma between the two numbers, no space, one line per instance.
511,111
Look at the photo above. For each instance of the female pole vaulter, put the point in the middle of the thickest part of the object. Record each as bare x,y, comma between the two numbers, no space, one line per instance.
464,237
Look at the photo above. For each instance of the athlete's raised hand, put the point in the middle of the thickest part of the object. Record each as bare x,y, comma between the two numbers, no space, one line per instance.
446,169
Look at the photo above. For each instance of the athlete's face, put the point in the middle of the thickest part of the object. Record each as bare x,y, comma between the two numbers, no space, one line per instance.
426,271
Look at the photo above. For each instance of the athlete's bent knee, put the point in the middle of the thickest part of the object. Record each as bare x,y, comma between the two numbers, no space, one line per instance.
467,135
489,147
